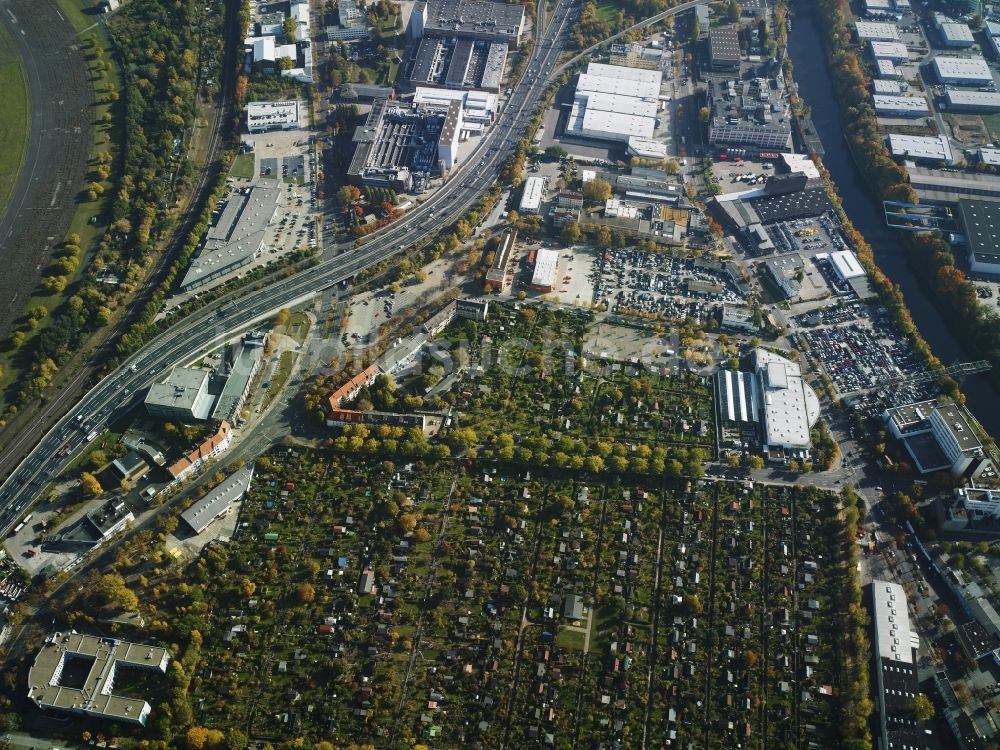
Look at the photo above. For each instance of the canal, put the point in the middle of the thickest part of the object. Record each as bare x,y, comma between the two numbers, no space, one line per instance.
805,46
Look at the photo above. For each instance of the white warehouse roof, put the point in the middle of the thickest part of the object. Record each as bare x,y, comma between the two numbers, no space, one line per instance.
846,264
618,104
894,639
956,33
545,268
920,147
889,51
615,103
989,155
791,406
882,86
886,68
912,104
531,200
962,68
973,99
623,73
880,31
608,85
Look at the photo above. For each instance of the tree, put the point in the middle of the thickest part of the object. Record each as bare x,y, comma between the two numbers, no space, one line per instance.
923,707
597,191
237,740
571,233
10,722
555,152
286,63
756,462
89,484
733,11
247,587
196,738
306,592
113,592
408,522
283,316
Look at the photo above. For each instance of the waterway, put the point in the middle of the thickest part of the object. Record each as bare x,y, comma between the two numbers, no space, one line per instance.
805,45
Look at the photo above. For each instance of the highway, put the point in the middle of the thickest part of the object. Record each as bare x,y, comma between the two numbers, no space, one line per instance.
203,331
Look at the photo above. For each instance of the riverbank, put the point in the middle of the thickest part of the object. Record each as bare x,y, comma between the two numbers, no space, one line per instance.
864,211
14,123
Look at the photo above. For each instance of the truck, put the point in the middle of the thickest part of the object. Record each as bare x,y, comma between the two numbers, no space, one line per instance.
91,435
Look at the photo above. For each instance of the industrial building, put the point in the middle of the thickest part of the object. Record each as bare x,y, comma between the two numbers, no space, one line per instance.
96,526
748,114
964,71
972,101
478,107
396,147
894,650
783,270
894,51
459,63
883,86
237,236
451,131
468,19
724,49
980,224
183,396
790,406
543,279
531,198
737,397
900,106
938,186
951,33
922,148
988,155
497,276
887,69
846,264
937,437
615,103
219,500
264,116
94,696
869,31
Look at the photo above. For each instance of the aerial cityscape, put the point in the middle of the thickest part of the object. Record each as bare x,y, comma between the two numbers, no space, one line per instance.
413,374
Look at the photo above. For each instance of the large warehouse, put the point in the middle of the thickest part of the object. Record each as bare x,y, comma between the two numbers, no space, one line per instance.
980,221
264,116
922,147
894,51
972,101
880,32
544,277
900,106
615,103
469,19
968,71
791,407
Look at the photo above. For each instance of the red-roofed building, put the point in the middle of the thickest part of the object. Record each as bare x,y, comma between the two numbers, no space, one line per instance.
211,448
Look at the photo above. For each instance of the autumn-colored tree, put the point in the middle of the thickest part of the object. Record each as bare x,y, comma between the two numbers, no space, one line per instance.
89,484
306,592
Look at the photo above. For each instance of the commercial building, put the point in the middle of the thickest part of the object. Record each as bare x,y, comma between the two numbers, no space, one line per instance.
633,55
972,101
951,33
615,103
938,436
887,69
749,114
645,148
846,265
989,155
396,147
209,449
894,648
219,500
783,271
981,503
920,147
894,51
724,49
241,367
353,24
883,86
478,107
790,406
543,279
967,71
183,396
264,116
980,224
497,276
869,31
459,63
93,696
531,198
237,237
900,106
738,397
468,19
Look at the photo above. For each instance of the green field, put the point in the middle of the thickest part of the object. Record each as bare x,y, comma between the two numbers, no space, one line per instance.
14,123
607,11
243,167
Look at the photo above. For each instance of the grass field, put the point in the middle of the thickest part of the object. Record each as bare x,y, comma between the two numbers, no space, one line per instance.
607,11
992,123
243,167
14,123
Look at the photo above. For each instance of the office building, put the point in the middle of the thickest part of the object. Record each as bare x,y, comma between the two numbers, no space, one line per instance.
93,695
921,147
938,436
264,116
534,192
633,55
894,649
748,114
219,500
468,19
451,130
543,278
980,224
240,367
353,24
183,396
964,71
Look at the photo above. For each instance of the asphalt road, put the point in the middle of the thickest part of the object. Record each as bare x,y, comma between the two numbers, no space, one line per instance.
201,332
60,138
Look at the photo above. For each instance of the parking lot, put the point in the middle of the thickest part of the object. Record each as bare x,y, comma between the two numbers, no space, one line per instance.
739,177
671,286
857,355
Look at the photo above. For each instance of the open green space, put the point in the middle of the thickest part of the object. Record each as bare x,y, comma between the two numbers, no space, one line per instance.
243,166
14,123
280,378
607,11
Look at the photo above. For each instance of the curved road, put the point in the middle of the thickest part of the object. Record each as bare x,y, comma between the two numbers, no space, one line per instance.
60,137
191,338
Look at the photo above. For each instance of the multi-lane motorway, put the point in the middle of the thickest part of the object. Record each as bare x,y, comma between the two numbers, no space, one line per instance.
202,331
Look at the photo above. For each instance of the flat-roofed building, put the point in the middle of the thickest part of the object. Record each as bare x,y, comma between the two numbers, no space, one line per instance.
531,198
939,186
264,116
894,648
219,500
900,106
971,70
724,49
737,396
880,32
94,697
921,147
846,265
980,223
614,102
894,51
451,130
182,396
952,33
472,309
497,275
131,467
244,363
884,86
937,436
790,405
469,19
989,155
543,278
887,69
972,101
